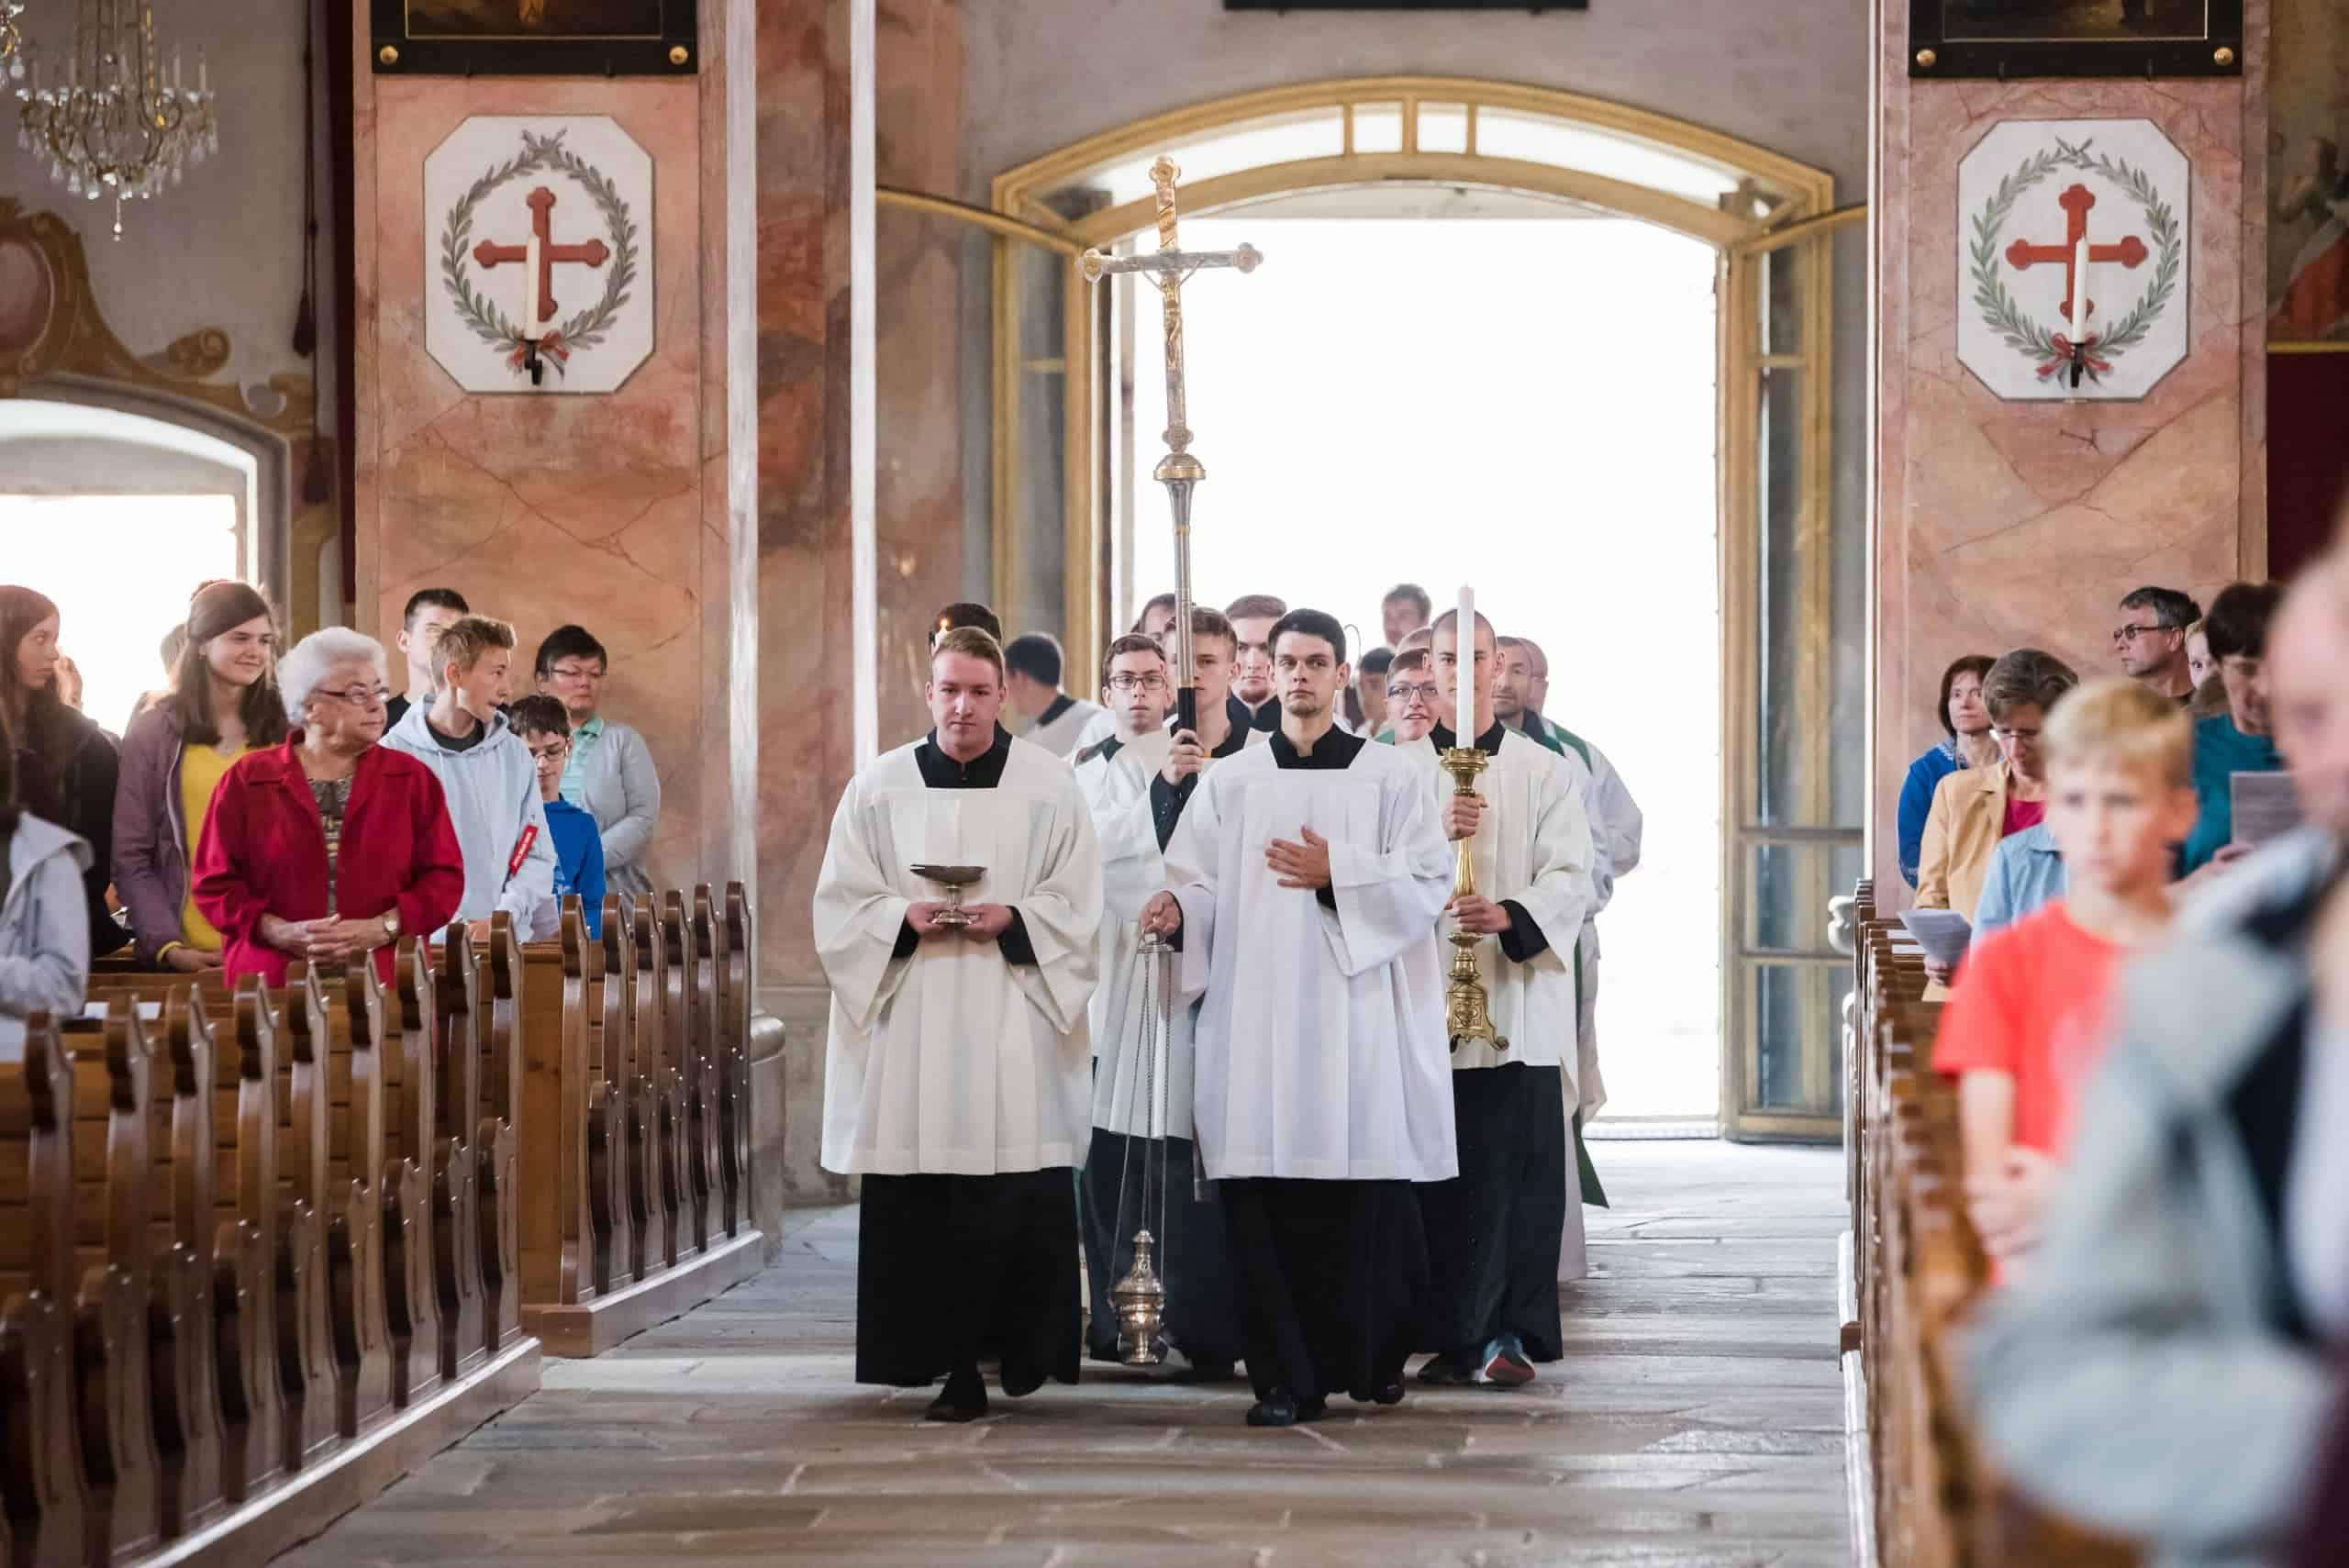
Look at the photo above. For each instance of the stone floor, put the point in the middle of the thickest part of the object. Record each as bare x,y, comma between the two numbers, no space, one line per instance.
1696,1423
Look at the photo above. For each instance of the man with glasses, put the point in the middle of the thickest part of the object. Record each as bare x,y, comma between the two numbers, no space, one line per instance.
545,729
1412,697
1115,778
2151,641
610,774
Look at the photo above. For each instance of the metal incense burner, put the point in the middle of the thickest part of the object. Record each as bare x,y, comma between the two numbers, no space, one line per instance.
1467,1011
1140,1294
953,879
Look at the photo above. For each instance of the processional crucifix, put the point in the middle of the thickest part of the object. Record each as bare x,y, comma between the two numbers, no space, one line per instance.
1179,470
1140,1295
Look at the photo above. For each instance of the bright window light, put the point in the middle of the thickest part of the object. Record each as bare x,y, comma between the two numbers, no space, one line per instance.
1526,407
121,569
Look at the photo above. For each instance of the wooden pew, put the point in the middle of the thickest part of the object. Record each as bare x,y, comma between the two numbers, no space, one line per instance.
304,1352
246,1236
731,1059
189,1440
456,1219
42,1506
582,1022
347,1012
411,1100
496,1149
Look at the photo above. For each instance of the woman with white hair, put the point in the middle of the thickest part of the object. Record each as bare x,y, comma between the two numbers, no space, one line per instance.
327,846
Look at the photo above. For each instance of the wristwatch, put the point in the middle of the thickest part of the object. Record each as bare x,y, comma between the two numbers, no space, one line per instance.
391,918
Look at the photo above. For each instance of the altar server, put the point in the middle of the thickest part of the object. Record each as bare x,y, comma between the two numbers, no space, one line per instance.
1303,881
955,1071
1116,778
1495,1232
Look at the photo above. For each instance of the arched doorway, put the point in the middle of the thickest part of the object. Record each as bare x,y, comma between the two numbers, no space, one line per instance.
1061,453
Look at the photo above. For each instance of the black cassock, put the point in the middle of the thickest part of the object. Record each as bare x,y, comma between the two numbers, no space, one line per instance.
1333,1279
951,1268
1493,1230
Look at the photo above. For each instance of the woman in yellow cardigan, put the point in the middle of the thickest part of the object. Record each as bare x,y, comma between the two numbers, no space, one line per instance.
1975,809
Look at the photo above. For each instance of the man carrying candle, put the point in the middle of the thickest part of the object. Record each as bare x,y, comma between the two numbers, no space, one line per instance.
1495,1233
956,1070
1302,883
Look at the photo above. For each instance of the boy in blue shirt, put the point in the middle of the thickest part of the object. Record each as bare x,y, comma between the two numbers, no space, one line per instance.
545,729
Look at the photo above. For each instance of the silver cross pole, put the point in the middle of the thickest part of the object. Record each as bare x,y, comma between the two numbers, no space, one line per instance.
1179,470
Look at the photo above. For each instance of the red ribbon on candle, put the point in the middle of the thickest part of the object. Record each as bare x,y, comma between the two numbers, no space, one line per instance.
2063,346
551,347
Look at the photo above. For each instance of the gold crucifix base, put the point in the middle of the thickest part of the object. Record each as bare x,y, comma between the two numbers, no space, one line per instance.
1468,1013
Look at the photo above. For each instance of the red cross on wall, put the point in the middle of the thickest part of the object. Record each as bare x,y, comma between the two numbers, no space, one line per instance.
2076,203
592,254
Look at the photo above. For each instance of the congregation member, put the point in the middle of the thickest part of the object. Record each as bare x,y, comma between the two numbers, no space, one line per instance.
1496,1231
2238,740
956,1062
610,775
1404,610
223,704
2027,1017
65,765
487,778
2151,641
1033,663
2210,691
1412,697
1369,692
1973,810
1201,1319
44,926
545,730
1966,742
327,846
1223,732
169,651
1304,882
1156,618
2026,870
1252,617
2165,1367
428,612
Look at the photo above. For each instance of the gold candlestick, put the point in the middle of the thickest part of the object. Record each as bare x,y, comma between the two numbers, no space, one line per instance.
1467,1011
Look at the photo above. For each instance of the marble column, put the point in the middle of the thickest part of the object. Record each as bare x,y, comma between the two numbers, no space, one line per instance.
2000,524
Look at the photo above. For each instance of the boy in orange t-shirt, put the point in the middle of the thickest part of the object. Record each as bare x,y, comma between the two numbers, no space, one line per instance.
2026,1022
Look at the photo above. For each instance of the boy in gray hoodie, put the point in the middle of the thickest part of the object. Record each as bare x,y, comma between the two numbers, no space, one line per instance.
486,773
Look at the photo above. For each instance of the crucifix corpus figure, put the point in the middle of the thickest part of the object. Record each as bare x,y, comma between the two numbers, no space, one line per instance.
1179,470
539,256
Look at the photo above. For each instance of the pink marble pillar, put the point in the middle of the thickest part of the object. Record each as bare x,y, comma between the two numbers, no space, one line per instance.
2000,524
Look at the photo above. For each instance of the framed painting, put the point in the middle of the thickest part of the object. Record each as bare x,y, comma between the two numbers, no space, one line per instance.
2308,178
536,37
2075,37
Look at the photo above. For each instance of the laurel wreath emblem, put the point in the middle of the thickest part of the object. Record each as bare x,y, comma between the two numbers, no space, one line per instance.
483,316
2007,317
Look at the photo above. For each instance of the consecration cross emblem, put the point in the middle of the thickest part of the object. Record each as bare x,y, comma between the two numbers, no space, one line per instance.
540,276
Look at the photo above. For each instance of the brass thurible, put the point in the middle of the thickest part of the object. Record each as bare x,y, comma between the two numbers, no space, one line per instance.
1468,1013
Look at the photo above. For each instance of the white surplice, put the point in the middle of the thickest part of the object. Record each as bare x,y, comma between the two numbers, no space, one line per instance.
1063,732
1532,848
954,1060
1116,787
1320,1050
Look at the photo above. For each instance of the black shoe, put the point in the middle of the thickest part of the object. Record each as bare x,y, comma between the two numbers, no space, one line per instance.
964,1398
1020,1386
1506,1362
1451,1370
1277,1409
1389,1393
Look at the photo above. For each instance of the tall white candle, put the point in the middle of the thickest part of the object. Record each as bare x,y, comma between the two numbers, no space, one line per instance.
2080,291
1463,726
531,288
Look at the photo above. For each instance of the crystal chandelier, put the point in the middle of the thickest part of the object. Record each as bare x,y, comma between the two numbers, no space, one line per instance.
115,126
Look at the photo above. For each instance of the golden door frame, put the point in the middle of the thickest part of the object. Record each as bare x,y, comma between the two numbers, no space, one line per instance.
1788,204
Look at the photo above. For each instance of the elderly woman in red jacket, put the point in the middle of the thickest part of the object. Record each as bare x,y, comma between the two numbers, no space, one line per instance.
328,846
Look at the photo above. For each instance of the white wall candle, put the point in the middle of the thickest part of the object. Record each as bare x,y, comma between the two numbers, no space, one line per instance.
2080,291
531,288
1464,669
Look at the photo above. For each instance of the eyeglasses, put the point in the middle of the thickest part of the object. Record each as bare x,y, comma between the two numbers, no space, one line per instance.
576,671
2132,633
1128,681
359,696
2007,732
552,752
1406,692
